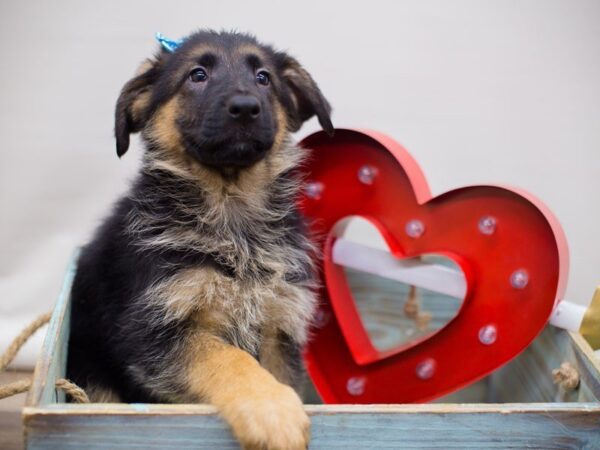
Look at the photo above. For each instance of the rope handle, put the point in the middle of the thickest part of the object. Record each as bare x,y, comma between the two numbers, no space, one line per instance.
566,376
77,394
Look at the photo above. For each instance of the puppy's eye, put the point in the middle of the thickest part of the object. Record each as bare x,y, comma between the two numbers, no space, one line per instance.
262,77
198,75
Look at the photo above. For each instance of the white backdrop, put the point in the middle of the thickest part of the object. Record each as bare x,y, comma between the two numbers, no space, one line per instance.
479,91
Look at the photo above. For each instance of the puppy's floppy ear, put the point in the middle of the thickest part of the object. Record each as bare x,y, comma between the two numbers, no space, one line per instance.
133,104
306,98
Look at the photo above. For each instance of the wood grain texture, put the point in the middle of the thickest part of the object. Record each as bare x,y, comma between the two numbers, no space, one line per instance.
572,426
528,378
588,364
53,357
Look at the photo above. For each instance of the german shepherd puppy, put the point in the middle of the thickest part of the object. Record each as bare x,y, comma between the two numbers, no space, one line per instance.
199,287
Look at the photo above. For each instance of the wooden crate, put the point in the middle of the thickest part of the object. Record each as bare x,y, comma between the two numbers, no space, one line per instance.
516,407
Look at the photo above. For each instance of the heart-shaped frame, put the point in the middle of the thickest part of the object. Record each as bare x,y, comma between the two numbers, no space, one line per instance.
515,269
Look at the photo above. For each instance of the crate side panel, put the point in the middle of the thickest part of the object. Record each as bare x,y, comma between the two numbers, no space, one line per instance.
528,378
588,365
546,428
51,363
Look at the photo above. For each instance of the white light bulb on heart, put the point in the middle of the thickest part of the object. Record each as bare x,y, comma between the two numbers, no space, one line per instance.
367,174
519,279
321,318
314,189
488,334
356,386
487,225
425,369
414,228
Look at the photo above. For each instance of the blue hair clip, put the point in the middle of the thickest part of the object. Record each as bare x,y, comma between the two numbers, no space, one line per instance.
168,44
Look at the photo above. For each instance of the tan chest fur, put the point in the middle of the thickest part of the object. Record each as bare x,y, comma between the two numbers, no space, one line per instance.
245,311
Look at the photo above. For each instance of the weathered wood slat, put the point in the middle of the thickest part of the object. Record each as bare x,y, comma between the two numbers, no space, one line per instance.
528,378
52,361
587,363
571,426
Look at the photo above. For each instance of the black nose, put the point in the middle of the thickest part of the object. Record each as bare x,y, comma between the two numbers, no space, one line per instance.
243,107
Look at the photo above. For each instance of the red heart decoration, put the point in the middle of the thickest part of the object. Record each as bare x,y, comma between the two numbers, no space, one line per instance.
527,240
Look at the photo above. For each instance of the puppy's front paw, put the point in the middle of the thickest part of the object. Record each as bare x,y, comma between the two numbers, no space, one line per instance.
271,417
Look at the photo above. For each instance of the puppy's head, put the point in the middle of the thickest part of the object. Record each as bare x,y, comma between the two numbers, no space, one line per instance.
221,100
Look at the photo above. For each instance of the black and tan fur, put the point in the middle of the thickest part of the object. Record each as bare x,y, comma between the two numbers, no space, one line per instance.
199,286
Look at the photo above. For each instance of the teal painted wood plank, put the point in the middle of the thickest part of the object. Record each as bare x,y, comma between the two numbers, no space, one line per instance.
587,363
574,426
528,378
51,363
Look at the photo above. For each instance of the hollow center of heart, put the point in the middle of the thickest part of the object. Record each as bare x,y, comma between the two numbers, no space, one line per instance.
400,301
